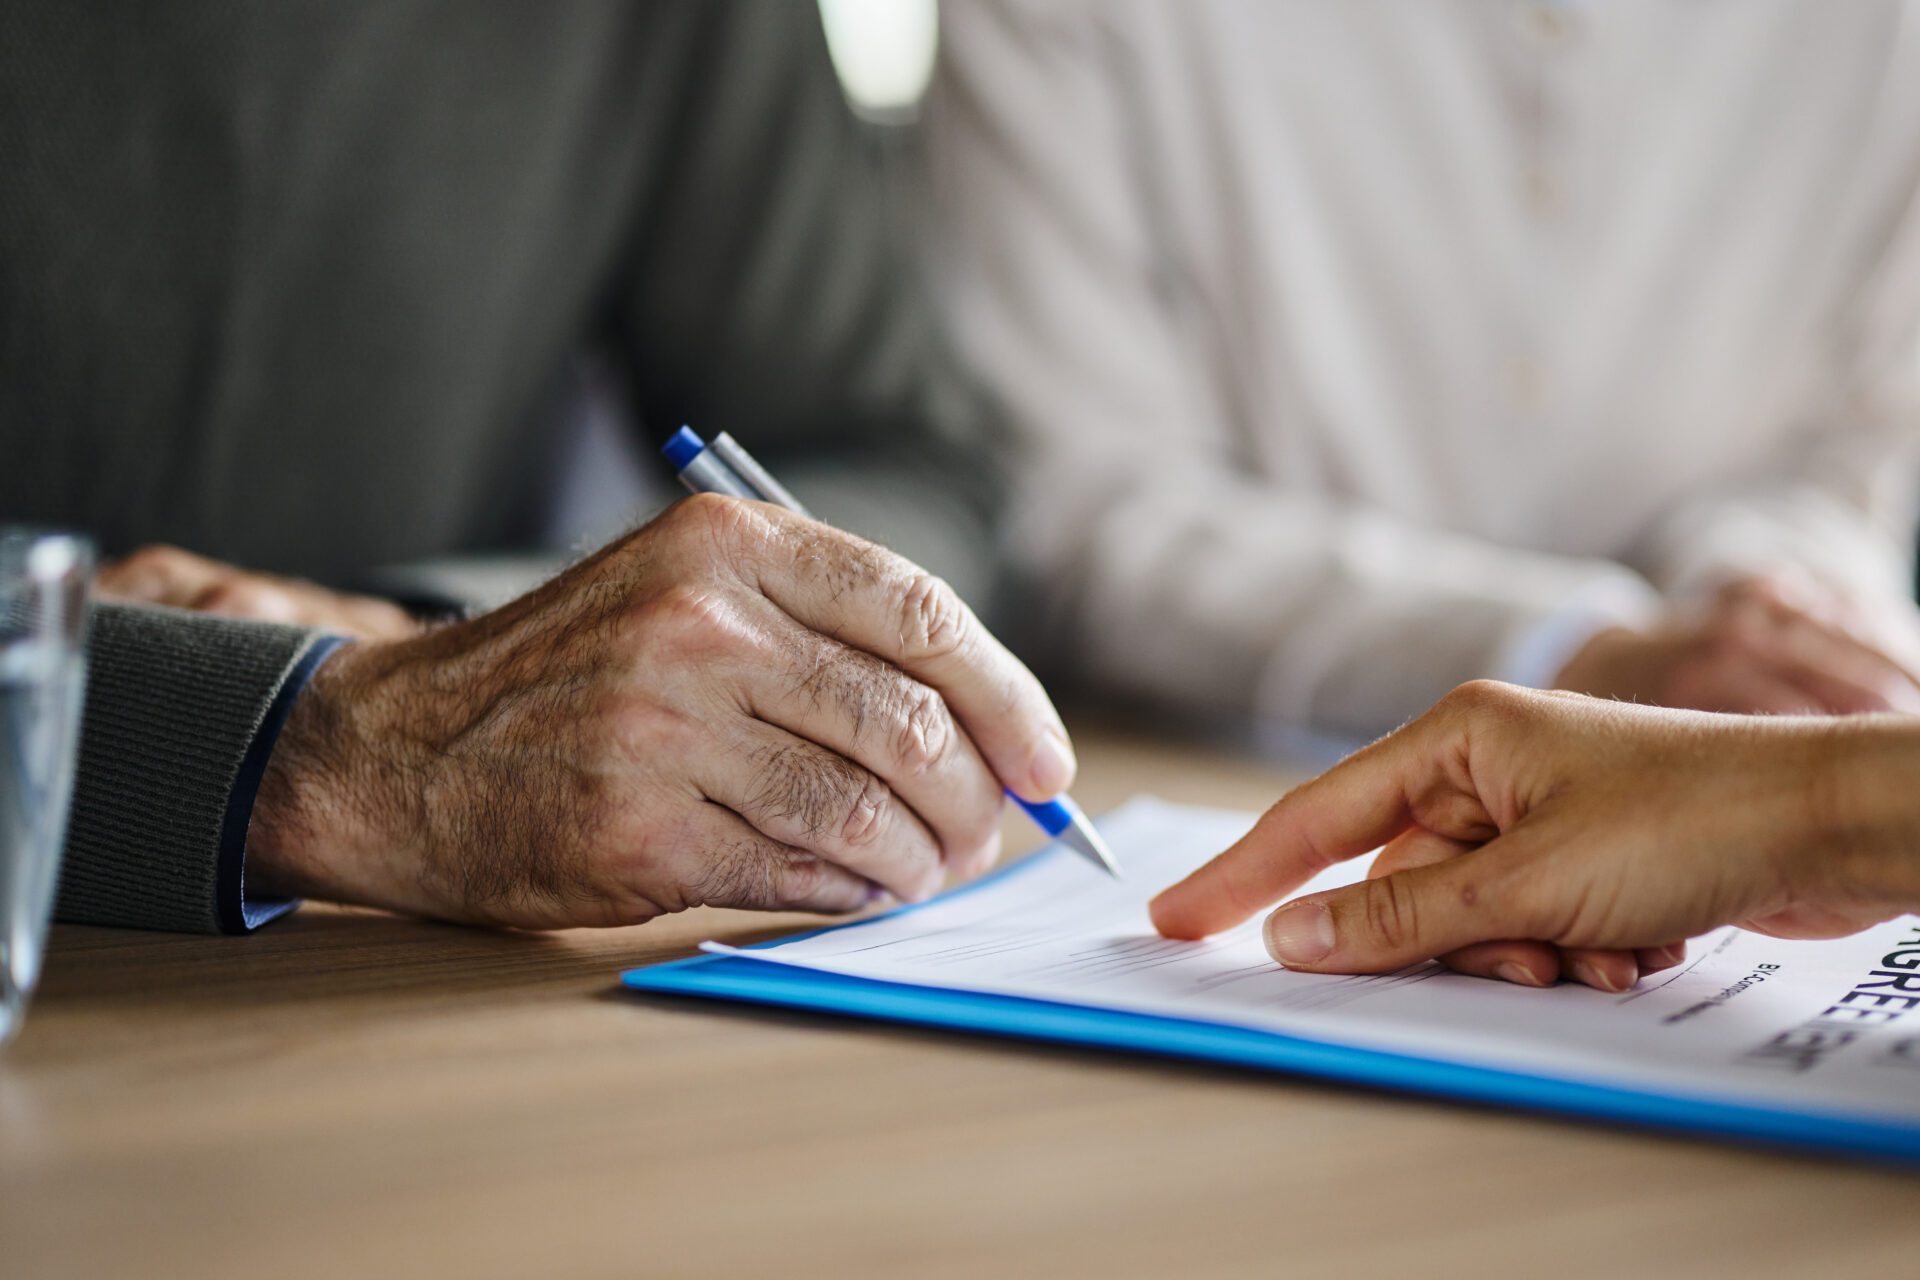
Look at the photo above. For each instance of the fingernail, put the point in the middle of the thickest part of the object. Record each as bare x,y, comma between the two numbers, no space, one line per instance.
1673,954
1300,934
1515,972
1052,767
1590,973
877,896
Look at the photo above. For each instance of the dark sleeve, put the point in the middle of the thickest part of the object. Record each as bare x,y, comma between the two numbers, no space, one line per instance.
176,704
771,292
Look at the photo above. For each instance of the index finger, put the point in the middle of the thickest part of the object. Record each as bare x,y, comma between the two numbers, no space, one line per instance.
1354,808
871,599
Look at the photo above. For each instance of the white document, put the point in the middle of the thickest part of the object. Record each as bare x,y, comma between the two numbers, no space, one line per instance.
1831,1026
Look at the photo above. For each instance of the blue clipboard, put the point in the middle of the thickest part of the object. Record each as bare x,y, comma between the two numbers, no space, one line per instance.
792,987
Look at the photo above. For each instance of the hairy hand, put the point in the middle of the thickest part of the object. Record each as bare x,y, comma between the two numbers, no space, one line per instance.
734,706
1782,644
1530,836
170,576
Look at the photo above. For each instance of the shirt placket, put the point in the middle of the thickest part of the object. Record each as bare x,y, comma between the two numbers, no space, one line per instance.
1551,34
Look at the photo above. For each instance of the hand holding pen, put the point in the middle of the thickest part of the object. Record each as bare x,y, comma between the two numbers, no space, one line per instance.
732,706
726,468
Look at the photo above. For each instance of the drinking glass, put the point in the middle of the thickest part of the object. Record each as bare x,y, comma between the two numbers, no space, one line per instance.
43,608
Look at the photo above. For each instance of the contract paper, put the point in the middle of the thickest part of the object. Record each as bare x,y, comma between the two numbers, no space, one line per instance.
1816,1026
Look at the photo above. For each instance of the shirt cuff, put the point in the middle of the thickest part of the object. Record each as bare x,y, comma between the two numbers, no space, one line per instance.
237,914
1537,655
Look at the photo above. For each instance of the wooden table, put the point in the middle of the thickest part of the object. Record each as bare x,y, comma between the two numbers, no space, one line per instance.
347,1092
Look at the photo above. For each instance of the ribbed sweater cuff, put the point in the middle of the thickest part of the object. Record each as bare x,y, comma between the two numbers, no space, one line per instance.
174,703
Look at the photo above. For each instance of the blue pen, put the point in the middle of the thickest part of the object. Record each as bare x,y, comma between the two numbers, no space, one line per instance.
724,467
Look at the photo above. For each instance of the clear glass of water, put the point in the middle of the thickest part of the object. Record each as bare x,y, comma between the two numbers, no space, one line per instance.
43,608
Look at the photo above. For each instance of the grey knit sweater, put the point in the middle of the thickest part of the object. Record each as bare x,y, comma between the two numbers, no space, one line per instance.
287,284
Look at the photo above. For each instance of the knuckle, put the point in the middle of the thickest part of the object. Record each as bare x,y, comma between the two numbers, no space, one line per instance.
1478,696
933,622
924,733
864,819
695,620
702,513
708,527
1487,702
1391,912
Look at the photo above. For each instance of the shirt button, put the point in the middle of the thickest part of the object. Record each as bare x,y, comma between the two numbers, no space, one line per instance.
1527,384
1549,22
1543,193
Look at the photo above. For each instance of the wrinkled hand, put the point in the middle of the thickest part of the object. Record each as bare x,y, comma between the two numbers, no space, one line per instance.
170,576
1783,643
734,706
1533,835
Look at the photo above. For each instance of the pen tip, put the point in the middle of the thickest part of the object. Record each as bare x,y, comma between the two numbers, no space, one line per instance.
1092,844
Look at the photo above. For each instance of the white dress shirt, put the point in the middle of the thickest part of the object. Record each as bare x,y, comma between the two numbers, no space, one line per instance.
1361,348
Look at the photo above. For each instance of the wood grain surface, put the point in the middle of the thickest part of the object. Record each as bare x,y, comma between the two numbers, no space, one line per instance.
349,1093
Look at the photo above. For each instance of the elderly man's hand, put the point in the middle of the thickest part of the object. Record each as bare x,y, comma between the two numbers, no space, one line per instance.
182,580
734,706
1530,836
1782,643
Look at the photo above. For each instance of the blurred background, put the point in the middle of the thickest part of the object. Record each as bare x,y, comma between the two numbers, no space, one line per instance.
1253,367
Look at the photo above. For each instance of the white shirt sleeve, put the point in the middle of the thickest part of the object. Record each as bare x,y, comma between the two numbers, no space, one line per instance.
1840,500
1537,655
1169,572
